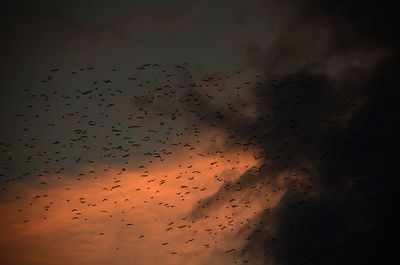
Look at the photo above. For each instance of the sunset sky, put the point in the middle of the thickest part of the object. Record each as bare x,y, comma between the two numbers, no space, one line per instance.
199,132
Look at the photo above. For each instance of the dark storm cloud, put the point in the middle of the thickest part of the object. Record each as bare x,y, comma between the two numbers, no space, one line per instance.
333,107
360,154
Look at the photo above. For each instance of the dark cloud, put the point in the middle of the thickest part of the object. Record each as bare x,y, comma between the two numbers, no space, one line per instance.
361,153
343,142
341,120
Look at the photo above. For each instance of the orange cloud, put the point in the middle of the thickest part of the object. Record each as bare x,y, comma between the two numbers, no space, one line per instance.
116,217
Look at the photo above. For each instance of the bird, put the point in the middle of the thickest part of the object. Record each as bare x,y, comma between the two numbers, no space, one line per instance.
211,157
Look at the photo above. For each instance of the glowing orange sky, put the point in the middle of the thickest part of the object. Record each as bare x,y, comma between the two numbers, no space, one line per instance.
144,204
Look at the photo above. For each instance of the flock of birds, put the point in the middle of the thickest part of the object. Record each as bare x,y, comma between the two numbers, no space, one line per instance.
79,128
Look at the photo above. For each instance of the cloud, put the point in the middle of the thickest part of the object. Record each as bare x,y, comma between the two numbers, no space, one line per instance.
296,161
326,110
101,217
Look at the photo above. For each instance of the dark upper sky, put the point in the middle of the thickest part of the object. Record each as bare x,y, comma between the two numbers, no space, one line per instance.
278,116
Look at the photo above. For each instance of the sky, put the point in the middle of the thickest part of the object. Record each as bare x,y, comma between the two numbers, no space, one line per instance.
198,132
